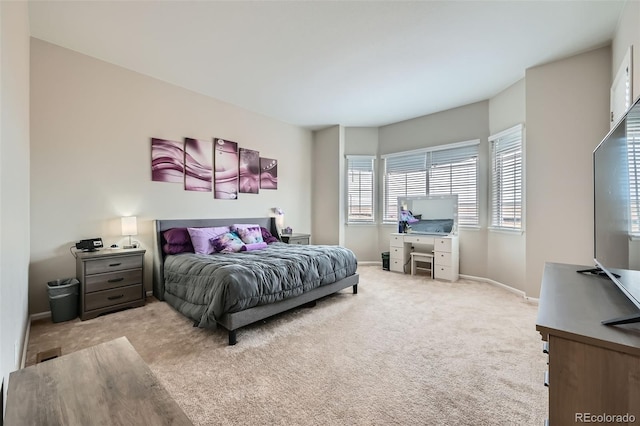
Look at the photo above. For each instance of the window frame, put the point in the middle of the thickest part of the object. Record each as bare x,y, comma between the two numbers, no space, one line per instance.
428,153
513,144
348,163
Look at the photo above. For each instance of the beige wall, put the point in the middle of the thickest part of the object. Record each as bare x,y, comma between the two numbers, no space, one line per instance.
506,259
91,124
14,184
456,125
328,186
567,108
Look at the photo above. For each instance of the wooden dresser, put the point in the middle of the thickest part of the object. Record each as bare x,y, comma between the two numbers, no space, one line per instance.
594,369
107,384
110,279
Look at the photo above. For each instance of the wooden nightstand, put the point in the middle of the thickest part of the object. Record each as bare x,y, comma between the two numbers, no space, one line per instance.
296,238
110,279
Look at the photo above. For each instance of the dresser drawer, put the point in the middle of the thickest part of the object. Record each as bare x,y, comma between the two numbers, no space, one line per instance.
112,297
99,266
396,241
442,258
111,280
442,244
443,272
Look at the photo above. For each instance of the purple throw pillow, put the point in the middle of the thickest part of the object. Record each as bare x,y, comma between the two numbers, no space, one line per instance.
227,243
254,246
267,237
200,238
177,248
177,236
250,235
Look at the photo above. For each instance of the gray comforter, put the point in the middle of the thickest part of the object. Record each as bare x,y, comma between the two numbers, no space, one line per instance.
204,287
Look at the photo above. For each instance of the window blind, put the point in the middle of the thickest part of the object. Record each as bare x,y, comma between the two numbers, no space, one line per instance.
506,179
442,170
360,189
633,154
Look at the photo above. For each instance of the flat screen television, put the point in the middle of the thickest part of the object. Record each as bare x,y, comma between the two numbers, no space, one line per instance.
616,201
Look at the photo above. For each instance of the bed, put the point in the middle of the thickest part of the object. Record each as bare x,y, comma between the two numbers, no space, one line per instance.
233,290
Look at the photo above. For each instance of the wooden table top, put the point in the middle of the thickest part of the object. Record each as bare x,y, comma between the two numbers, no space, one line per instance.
107,384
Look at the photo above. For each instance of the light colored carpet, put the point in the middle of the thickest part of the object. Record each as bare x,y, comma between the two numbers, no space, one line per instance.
405,350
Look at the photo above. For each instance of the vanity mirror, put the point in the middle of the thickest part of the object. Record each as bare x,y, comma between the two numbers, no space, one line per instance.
429,214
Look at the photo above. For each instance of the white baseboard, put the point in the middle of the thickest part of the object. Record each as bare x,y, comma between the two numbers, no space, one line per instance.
25,344
369,263
501,285
41,315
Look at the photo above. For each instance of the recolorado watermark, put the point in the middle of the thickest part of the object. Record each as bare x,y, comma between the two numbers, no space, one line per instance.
604,418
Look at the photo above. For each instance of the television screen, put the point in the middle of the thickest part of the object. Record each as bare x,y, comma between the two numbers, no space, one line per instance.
616,205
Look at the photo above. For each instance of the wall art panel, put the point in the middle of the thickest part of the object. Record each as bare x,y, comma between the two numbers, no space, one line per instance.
249,171
167,160
198,164
226,169
268,173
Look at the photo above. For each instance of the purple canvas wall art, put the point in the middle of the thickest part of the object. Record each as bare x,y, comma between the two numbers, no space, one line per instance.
268,173
198,162
249,171
226,169
167,160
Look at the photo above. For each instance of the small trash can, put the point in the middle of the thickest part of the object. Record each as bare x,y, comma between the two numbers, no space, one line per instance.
385,261
63,299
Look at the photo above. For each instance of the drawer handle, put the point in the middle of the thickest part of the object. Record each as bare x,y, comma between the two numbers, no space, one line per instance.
115,280
120,296
115,264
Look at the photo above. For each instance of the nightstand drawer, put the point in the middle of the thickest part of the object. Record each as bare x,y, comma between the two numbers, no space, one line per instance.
116,279
99,266
300,241
112,297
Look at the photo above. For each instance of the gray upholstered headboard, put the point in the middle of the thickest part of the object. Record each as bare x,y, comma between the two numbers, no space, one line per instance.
161,225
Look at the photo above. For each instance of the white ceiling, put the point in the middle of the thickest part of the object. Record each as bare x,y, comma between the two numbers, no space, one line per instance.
320,63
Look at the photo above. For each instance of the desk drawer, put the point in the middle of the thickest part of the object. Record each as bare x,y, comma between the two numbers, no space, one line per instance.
396,265
396,252
443,259
418,239
442,244
396,241
119,263
443,272
111,280
112,297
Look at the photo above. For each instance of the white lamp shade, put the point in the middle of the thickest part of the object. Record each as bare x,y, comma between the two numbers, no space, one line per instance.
129,225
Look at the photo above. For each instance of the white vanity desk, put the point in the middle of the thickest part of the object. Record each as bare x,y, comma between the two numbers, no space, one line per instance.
445,253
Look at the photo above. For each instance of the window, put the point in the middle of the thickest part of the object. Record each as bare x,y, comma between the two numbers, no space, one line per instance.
506,179
441,170
360,194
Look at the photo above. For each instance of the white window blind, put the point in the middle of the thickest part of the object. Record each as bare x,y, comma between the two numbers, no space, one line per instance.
633,147
506,179
360,189
442,170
